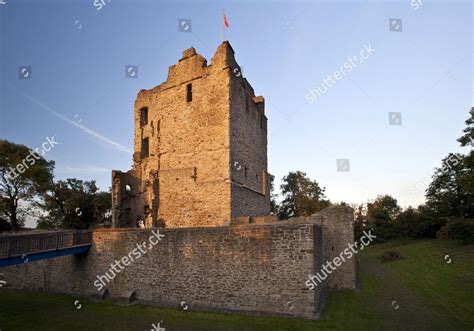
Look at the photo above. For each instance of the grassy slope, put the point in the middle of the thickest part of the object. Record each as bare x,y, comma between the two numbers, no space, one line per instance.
429,293
445,290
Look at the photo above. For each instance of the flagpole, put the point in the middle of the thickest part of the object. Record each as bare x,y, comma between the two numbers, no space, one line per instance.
223,26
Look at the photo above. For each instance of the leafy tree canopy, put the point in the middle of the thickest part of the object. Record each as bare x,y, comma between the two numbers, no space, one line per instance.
381,216
468,138
24,175
76,204
451,192
302,196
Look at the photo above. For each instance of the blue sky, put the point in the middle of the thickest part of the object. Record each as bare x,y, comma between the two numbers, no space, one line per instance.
78,91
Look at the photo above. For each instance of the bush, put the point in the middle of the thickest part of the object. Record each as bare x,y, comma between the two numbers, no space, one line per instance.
443,233
462,229
418,223
389,256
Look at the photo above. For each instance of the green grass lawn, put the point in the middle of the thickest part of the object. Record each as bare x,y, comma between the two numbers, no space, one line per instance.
419,292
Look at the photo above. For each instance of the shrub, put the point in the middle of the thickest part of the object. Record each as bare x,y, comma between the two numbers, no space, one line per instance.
418,223
462,229
443,233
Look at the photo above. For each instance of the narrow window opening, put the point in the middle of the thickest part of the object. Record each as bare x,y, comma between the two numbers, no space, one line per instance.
145,148
143,116
158,135
128,188
189,92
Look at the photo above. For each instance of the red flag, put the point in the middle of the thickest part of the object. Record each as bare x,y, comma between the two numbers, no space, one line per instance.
226,22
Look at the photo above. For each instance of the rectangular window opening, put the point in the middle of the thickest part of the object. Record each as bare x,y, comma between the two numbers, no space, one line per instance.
145,148
143,116
189,92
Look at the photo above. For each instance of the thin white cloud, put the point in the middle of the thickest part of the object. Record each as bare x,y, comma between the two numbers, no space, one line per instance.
82,169
78,125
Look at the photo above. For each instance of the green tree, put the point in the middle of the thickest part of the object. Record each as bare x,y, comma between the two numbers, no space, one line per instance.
468,137
451,191
450,196
462,229
77,204
360,220
418,223
24,176
381,216
301,196
273,202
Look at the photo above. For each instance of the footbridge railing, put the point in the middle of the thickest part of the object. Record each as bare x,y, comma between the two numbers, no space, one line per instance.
27,244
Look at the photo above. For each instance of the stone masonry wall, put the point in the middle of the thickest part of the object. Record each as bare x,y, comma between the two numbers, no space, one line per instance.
337,225
184,176
256,269
250,194
194,151
252,268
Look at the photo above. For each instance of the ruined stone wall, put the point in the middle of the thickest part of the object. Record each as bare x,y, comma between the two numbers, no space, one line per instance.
255,269
126,198
337,224
338,229
185,177
207,156
193,148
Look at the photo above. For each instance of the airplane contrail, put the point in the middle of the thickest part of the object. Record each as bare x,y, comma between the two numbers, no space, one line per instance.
80,126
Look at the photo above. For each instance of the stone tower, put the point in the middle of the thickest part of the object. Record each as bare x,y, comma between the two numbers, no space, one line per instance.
200,151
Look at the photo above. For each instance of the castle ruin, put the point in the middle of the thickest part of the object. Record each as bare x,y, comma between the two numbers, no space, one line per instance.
200,152
200,172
